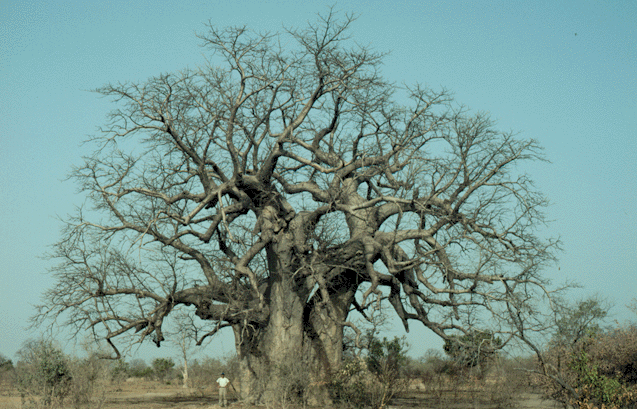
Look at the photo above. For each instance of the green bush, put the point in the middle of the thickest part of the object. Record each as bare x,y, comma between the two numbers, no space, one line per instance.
386,358
5,364
43,371
599,388
139,369
162,367
7,374
348,386
374,379
598,367
474,349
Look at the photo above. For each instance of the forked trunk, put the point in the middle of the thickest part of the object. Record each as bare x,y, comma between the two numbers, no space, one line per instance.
291,357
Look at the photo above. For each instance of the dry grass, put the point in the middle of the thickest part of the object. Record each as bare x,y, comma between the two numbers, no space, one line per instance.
143,394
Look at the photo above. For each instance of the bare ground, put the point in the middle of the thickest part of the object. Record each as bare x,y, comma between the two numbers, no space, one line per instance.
153,395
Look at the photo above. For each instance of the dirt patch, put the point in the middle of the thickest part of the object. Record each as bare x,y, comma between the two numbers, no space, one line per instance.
536,401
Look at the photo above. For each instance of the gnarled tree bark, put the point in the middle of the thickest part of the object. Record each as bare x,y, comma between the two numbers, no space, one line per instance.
278,193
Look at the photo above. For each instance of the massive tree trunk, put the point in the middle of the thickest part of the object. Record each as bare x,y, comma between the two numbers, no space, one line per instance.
292,354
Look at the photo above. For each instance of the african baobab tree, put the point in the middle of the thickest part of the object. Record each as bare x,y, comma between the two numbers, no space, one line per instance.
285,188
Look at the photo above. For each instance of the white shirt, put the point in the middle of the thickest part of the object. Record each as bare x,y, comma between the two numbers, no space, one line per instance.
223,382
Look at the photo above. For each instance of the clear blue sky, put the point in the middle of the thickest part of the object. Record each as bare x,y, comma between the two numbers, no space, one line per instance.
562,72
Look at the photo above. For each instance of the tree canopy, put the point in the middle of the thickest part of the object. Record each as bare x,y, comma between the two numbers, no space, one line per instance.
286,184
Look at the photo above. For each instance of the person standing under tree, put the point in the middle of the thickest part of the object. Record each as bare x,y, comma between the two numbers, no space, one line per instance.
223,382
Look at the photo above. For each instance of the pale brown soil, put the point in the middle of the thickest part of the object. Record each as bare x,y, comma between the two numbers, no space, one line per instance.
153,395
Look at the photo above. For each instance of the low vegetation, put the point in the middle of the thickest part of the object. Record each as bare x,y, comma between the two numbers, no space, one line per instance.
372,378
598,370
590,367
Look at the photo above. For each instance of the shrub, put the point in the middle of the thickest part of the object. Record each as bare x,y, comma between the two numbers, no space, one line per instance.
90,377
293,382
162,367
615,354
46,377
348,385
598,367
373,379
5,364
139,369
450,384
43,371
120,370
7,373
202,374
476,348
